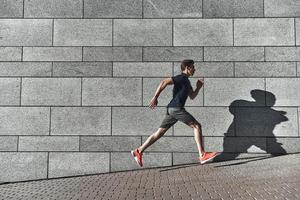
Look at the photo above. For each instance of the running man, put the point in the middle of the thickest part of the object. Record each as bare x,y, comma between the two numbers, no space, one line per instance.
176,111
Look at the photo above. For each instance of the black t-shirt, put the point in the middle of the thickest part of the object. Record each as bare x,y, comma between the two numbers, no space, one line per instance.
181,88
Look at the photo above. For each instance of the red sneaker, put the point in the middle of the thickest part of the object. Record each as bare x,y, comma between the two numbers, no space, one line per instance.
208,156
137,156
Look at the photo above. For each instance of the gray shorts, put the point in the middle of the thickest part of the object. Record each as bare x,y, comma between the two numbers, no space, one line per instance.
174,114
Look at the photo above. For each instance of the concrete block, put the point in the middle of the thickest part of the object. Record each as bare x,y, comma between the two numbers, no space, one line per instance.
124,161
142,32
112,8
53,8
70,164
297,31
172,9
137,120
283,145
24,120
173,144
48,143
11,8
80,121
52,53
285,90
150,85
282,53
185,158
82,32
209,69
265,69
8,143
25,68
26,32
233,54
51,91
112,53
112,91
232,90
215,121
280,8
10,53
142,69
203,32
266,121
263,32
15,164
10,91
236,144
233,8
172,53
109,143
82,69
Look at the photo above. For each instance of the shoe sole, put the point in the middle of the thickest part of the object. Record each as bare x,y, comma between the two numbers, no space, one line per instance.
210,159
135,158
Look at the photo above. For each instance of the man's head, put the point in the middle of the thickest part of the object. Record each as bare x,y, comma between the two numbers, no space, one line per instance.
187,67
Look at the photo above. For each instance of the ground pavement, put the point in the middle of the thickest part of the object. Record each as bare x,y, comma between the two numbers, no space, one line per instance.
259,177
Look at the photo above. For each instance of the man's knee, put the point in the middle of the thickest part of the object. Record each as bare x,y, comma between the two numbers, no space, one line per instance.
196,125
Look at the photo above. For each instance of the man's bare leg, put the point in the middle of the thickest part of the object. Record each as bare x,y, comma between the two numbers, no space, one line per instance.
198,137
152,138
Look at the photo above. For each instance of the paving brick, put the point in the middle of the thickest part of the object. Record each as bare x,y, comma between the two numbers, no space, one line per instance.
142,69
80,121
150,85
80,163
112,8
25,68
112,91
280,8
82,32
14,164
137,120
233,8
11,8
215,121
109,143
50,91
172,53
171,8
209,69
52,54
282,53
262,32
112,53
266,121
10,91
53,8
265,69
8,143
48,143
10,53
26,32
173,144
82,69
24,120
233,54
283,145
230,89
203,32
285,91
124,161
142,32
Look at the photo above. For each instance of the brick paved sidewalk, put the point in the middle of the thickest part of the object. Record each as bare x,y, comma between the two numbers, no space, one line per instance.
252,178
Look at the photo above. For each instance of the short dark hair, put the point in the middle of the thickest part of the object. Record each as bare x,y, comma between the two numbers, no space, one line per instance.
186,62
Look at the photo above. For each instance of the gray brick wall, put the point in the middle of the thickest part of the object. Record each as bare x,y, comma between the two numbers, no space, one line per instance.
76,77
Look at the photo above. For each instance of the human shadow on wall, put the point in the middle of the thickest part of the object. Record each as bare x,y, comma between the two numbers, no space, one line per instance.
252,126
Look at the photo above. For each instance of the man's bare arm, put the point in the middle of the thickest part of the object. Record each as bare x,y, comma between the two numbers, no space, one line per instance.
162,85
192,93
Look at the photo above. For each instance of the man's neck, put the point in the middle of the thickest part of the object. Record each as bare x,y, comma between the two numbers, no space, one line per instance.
184,74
